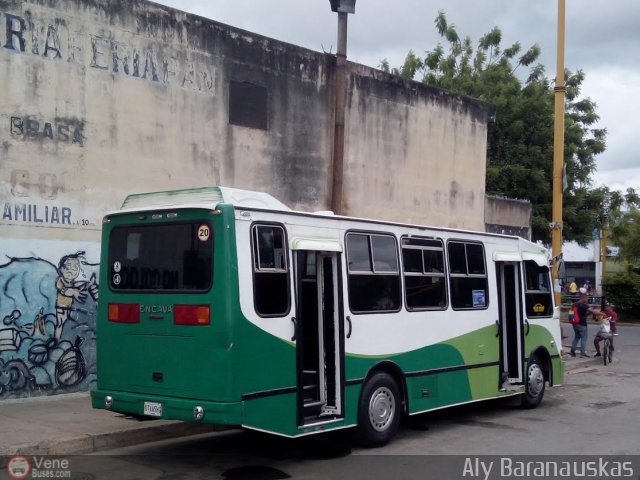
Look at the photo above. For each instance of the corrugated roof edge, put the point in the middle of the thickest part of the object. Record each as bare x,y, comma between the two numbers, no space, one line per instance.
211,196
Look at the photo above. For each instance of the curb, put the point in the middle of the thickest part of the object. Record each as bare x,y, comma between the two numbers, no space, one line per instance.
102,441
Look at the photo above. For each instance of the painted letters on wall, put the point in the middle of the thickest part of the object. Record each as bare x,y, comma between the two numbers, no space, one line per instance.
58,39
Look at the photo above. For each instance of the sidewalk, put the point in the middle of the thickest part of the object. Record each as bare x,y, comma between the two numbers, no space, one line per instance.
66,424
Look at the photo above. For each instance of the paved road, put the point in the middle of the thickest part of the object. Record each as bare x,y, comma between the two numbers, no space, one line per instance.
595,412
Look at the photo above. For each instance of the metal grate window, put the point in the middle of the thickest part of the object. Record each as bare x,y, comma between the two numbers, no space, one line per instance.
248,105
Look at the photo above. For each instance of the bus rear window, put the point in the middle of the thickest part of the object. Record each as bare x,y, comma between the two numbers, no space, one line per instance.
161,257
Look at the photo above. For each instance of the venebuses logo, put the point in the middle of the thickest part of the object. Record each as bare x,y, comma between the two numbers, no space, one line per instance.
18,467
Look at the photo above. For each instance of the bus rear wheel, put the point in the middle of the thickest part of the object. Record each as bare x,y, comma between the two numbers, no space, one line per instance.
379,411
534,384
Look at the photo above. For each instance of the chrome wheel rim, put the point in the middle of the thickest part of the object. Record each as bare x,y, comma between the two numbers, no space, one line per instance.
535,381
382,408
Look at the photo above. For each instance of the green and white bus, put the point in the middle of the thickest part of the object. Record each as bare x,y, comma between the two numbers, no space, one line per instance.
224,306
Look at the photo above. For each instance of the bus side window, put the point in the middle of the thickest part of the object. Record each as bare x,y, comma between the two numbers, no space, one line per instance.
374,273
424,275
538,294
468,275
270,270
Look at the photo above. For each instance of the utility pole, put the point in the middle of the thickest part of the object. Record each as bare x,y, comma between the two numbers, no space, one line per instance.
603,259
343,7
558,153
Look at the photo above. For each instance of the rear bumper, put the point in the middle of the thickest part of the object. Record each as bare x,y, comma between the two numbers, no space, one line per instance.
173,408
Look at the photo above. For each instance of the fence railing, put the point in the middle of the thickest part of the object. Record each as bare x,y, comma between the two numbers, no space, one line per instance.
571,298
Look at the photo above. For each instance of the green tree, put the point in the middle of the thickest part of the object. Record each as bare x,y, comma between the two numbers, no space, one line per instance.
623,218
520,141
624,225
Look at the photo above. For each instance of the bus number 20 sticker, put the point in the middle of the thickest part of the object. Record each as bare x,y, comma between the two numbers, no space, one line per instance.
203,233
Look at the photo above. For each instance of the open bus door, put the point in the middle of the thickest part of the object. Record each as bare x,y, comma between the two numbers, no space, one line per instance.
319,334
510,324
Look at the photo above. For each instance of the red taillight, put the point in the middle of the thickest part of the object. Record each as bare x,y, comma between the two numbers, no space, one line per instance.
124,312
191,315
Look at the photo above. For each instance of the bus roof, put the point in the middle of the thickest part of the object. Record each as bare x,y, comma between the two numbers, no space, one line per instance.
210,197
204,197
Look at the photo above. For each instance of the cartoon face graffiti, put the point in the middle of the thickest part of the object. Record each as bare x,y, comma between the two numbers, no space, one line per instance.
70,269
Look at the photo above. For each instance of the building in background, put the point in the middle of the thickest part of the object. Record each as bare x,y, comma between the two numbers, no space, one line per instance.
582,264
101,98
508,216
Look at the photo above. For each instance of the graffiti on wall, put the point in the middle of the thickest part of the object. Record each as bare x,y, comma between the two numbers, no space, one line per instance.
54,39
47,331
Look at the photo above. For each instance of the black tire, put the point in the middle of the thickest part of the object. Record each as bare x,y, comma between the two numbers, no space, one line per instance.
605,353
534,384
379,411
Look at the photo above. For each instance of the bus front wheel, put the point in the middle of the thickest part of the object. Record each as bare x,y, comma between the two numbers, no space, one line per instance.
379,410
534,384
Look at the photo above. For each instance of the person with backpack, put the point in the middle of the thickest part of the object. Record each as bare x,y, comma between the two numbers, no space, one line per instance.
580,311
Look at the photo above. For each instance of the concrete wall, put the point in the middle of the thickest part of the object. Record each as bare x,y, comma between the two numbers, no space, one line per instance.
100,98
508,216
414,153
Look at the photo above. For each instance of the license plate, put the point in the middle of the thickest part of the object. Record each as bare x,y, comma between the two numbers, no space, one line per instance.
153,409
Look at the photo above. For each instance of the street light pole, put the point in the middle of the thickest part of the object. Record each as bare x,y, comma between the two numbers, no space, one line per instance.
343,7
558,153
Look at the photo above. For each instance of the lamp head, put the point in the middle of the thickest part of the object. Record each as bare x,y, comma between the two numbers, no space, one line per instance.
343,6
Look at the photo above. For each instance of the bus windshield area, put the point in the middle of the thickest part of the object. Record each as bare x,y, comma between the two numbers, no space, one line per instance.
161,257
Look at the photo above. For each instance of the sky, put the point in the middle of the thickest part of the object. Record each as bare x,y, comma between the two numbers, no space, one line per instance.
602,38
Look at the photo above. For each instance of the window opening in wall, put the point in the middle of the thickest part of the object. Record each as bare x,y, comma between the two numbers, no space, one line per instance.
248,105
